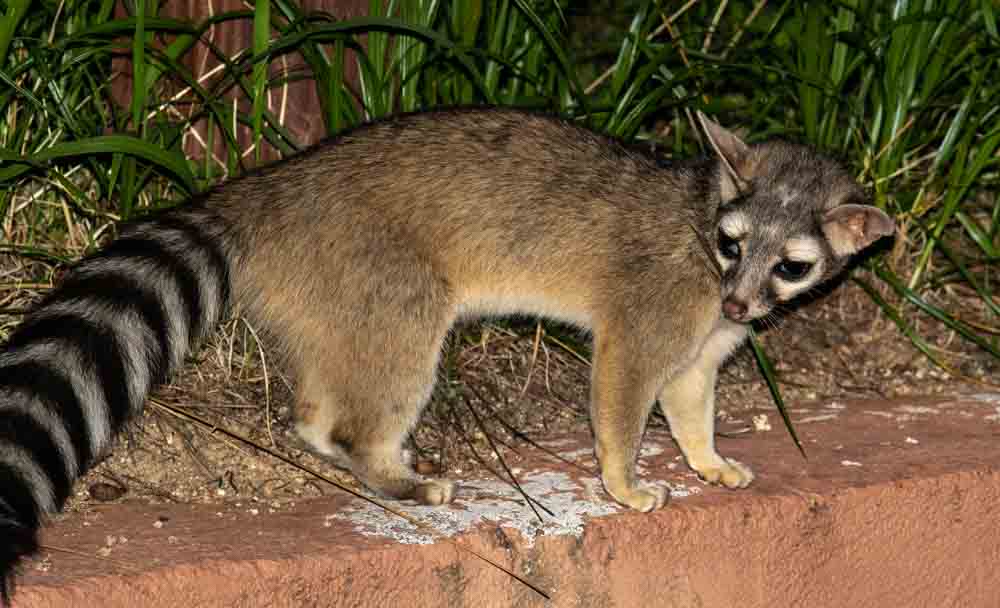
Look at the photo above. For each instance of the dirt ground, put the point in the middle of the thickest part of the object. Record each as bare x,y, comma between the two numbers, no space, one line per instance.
502,384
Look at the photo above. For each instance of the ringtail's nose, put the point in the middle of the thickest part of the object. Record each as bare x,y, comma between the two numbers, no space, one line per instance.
734,310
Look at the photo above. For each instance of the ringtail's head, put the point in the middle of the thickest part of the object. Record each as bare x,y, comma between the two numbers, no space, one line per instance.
788,220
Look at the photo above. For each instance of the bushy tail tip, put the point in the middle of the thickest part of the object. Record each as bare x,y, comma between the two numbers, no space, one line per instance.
16,541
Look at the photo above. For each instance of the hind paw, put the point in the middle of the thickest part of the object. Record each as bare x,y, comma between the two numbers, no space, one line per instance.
434,492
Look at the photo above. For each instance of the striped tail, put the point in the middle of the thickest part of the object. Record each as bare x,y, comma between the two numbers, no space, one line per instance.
82,364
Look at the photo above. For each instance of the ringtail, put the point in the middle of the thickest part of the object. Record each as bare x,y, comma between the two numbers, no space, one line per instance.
357,256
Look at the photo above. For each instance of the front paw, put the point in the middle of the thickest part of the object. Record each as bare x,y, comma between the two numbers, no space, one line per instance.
641,497
727,472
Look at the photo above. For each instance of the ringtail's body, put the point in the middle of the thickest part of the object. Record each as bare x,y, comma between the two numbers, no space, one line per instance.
357,257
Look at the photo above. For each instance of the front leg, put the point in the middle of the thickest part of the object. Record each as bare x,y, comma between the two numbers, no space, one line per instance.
622,395
688,402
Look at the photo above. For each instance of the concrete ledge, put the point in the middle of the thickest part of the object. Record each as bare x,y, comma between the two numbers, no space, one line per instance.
896,506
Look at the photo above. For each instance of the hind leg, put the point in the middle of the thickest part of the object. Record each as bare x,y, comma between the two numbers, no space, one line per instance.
358,404
383,468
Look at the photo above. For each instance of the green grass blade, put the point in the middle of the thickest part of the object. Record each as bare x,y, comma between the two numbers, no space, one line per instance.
948,320
980,236
896,317
771,378
261,39
557,51
16,11
172,163
983,294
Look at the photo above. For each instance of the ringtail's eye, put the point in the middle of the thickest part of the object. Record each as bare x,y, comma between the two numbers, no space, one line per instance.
729,247
791,270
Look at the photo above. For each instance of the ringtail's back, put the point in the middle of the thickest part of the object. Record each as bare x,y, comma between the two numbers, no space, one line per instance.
357,256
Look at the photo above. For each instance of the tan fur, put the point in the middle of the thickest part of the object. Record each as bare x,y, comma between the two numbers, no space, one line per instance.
358,256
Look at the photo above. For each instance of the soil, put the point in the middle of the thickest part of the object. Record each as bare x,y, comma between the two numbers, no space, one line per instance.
502,383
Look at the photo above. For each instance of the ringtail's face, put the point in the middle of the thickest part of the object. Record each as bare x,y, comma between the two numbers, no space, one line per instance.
788,220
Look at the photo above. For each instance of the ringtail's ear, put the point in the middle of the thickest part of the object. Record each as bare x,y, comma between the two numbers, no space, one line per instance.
850,228
734,155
